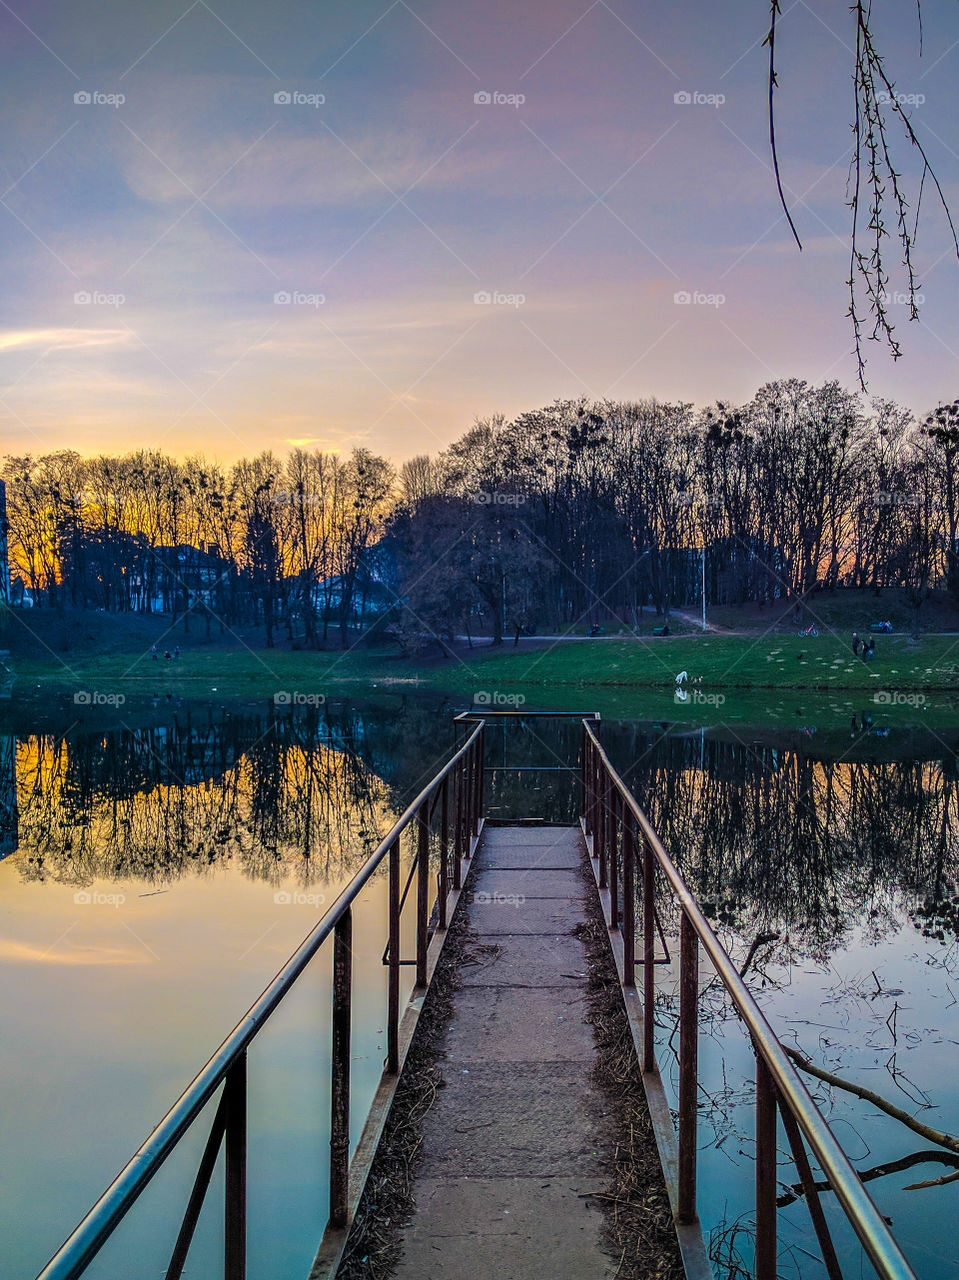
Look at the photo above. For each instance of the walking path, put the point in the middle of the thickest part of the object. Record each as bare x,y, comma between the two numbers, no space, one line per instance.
509,1147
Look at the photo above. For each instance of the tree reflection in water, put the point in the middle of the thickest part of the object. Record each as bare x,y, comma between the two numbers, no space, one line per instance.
301,794
811,857
776,839
799,845
780,836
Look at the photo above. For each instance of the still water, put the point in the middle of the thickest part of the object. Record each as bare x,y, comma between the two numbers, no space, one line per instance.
154,879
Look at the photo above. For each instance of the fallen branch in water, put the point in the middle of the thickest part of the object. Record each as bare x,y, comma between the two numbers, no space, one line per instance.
933,1182
796,1190
924,1130
761,940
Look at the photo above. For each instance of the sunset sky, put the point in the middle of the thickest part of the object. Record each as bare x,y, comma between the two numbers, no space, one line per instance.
184,210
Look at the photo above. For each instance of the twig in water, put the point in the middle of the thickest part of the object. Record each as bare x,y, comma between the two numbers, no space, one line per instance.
924,1130
796,1191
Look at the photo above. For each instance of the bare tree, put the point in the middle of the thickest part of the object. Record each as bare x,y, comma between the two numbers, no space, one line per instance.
881,208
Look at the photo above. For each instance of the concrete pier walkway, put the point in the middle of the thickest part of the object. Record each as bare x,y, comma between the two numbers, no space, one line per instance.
509,1147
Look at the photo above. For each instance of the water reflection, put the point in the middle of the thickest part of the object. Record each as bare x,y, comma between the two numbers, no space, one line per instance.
799,836
148,903
831,872
8,794
300,794
781,837
841,848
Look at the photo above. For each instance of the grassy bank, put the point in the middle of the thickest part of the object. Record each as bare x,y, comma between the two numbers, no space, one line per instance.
728,677
726,662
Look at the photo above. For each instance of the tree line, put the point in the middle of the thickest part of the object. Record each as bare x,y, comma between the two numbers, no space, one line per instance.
584,511
580,511
268,541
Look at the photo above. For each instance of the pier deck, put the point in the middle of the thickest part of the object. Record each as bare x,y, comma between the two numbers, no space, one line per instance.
510,1149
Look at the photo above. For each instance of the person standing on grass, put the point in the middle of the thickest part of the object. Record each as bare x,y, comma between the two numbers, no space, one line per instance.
855,643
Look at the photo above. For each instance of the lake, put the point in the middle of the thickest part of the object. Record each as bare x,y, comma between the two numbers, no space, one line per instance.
155,876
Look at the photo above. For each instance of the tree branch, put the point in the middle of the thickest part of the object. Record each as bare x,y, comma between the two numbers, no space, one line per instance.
771,41
868,1095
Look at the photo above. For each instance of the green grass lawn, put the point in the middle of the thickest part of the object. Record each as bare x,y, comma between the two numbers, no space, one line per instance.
773,663
771,680
726,662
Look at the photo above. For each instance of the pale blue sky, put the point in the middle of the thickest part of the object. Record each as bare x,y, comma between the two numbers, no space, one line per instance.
596,200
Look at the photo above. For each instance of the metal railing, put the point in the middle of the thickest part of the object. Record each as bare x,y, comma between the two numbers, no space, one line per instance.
619,833
457,792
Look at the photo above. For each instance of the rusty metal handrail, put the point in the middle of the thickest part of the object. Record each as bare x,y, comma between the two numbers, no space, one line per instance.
228,1064
607,804
480,711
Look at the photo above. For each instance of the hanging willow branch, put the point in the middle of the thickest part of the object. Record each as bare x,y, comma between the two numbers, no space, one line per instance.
875,186
877,104
771,41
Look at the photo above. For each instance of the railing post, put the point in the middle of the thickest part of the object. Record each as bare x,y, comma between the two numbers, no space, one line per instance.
340,1071
478,781
481,775
596,814
234,1217
813,1203
649,956
688,1067
458,824
444,849
765,1172
422,889
584,746
593,794
629,901
614,812
602,823
588,783
393,988
470,790
474,821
